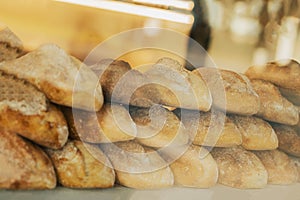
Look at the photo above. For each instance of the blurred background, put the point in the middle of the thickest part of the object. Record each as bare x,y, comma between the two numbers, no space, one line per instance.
236,33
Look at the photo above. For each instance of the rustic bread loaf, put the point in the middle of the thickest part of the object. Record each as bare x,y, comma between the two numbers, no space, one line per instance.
82,165
10,45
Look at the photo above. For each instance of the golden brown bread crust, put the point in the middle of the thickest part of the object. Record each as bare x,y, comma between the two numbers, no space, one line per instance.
283,73
257,134
122,84
58,78
297,164
111,124
10,45
158,127
179,87
289,139
80,165
273,106
281,169
138,167
48,128
210,129
239,168
24,165
195,168
230,91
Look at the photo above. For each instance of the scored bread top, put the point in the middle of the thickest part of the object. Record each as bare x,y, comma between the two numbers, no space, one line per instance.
20,95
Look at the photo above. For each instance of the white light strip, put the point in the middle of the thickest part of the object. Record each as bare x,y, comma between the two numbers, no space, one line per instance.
186,5
135,10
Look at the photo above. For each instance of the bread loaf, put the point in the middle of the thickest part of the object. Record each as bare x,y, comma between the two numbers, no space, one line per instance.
273,106
281,170
289,139
122,84
257,134
138,167
210,128
62,78
230,91
195,168
82,165
24,165
111,124
297,164
10,45
179,87
239,168
158,127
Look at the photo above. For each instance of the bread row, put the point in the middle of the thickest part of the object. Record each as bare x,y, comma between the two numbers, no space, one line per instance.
146,130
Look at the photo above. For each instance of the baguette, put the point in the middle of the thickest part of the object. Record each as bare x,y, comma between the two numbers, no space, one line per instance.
10,45
281,169
231,91
257,134
111,124
24,165
64,80
273,106
239,168
212,128
138,167
80,165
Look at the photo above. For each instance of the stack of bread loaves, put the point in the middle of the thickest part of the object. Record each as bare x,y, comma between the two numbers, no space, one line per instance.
93,126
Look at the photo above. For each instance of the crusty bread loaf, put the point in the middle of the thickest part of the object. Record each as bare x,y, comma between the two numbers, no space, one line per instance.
257,134
21,96
122,84
283,73
273,106
293,95
24,165
47,128
62,78
82,165
230,91
297,164
111,124
281,169
195,168
239,168
179,87
10,45
158,127
138,167
210,128
289,139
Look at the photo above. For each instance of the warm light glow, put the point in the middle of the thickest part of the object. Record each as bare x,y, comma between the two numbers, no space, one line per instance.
135,10
180,4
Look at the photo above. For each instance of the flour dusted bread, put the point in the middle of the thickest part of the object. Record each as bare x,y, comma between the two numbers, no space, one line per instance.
137,166
230,91
194,168
62,78
48,128
283,73
289,139
24,165
122,84
157,127
273,106
281,169
297,164
239,168
211,128
82,165
179,87
25,110
257,134
10,45
111,124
